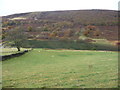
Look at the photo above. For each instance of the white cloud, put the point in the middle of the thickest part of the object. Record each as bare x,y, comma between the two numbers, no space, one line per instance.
19,6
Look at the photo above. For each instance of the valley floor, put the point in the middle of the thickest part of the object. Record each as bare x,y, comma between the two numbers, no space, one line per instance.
42,68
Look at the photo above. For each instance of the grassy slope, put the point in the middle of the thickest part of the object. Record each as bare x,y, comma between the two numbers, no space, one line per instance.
100,44
55,68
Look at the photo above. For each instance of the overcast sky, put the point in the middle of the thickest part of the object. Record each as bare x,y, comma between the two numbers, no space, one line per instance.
8,7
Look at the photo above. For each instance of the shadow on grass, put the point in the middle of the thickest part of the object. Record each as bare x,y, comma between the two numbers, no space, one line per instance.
71,45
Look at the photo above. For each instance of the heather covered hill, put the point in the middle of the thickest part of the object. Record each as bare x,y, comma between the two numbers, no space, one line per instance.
96,17
79,26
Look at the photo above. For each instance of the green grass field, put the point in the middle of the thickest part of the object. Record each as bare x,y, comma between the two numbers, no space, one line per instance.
42,68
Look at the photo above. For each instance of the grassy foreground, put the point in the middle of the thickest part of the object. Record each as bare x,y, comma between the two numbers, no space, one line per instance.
41,68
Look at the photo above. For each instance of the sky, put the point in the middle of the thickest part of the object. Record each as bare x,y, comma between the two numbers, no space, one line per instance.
8,7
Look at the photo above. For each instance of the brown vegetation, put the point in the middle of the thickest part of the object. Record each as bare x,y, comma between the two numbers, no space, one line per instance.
65,24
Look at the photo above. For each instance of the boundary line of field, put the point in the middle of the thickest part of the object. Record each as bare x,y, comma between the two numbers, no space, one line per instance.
5,57
63,50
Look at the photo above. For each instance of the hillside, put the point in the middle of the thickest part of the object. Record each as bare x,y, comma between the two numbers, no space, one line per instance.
97,17
70,25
